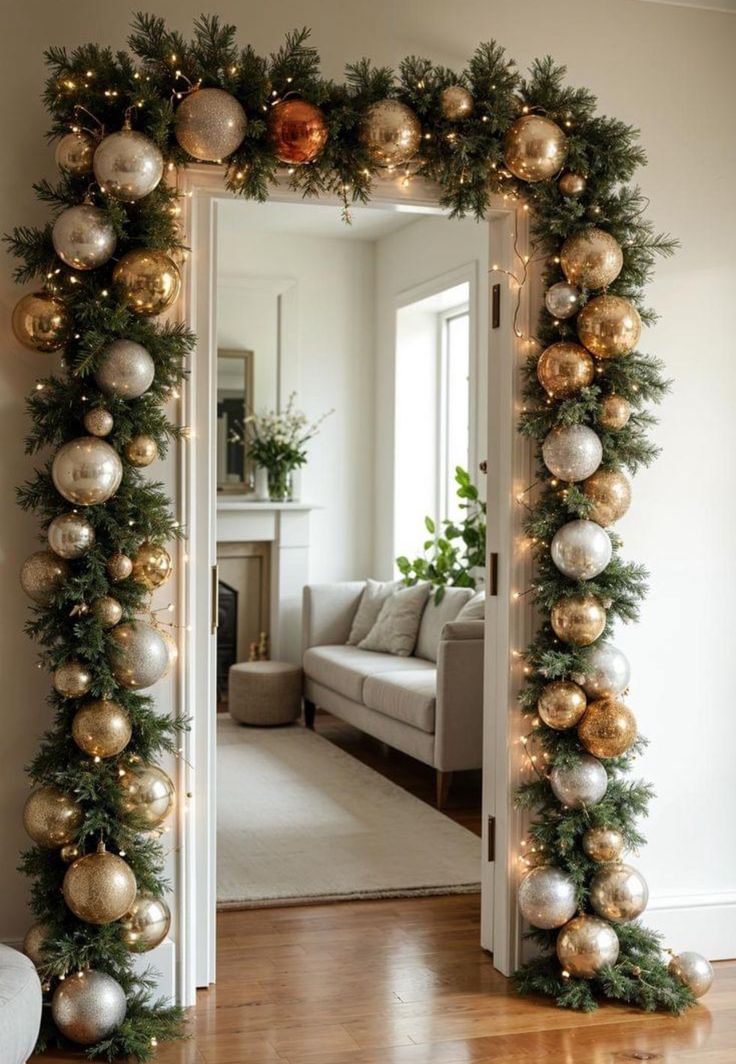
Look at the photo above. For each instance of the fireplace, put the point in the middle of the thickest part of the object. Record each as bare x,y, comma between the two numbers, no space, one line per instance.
244,587
227,635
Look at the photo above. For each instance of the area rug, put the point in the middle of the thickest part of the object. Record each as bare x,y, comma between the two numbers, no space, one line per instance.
299,820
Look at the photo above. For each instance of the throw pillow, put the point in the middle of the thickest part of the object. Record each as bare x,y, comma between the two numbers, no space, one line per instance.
375,594
397,625
475,609
435,617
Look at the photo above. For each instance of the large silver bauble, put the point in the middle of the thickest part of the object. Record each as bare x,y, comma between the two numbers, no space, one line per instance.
87,471
71,535
581,549
74,153
547,897
390,133
210,124
42,576
146,924
572,452
84,237
125,369
128,165
139,656
586,945
608,672
88,1006
562,300
582,783
619,892
692,970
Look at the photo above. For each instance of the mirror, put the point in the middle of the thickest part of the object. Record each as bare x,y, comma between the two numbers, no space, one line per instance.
234,403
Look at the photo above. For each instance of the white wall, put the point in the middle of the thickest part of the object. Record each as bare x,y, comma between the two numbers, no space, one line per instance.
670,71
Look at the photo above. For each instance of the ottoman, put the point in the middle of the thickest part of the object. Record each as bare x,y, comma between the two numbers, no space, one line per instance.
265,692
20,1006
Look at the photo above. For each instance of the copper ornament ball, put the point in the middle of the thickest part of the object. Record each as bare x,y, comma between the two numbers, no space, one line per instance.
149,281
614,413
591,259
608,728
578,620
101,728
40,321
141,451
561,704
572,185
152,565
610,492
456,103
75,152
51,818
72,679
564,369
535,148
43,575
391,133
210,124
297,131
119,567
609,326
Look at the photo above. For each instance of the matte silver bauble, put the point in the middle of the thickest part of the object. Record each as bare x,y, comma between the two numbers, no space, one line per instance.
456,103
98,422
693,971
84,237
391,133
128,165
210,124
562,300
582,783
607,672
619,892
74,153
125,370
603,844
572,452
586,945
87,471
138,656
71,535
547,897
146,924
43,575
581,550
88,1007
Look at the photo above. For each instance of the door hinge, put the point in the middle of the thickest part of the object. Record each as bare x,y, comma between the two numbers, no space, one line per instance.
491,838
493,574
496,306
215,598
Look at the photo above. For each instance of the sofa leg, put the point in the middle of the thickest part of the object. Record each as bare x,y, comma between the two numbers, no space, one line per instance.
309,711
444,779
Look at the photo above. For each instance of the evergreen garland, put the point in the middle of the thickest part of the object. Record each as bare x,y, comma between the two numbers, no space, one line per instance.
94,87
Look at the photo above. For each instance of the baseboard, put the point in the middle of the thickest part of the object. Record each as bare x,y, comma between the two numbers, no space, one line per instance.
705,923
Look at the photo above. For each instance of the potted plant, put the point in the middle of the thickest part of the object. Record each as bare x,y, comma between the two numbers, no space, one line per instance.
277,443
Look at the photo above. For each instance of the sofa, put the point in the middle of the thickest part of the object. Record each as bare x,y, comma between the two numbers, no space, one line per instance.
428,704
20,1006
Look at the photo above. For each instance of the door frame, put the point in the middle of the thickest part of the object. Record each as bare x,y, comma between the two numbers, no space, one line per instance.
508,621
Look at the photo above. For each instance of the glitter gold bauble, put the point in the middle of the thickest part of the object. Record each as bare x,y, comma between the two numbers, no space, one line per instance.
572,185
148,280
146,924
152,565
99,888
591,259
43,575
608,728
572,452
88,1007
72,679
562,300
619,892
581,550
40,321
147,795
210,124
101,728
125,370
609,326
614,412
74,153
138,656
34,942
71,535
84,237
610,492
579,620
128,165
582,783
693,971
547,897
564,369
607,672
51,818
297,131
561,704
141,451
456,103
586,945
390,133
119,567
70,853
107,610
603,844
534,148
98,422
87,471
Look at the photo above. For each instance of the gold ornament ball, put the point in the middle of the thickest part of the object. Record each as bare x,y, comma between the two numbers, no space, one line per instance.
99,888
171,647
141,451
101,728
42,576
51,818
72,679
70,535
74,153
88,1007
128,165
107,611
614,413
210,124
87,471
561,704
572,185
585,945
119,567
609,326
693,971
535,148
591,259
34,942
608,728
618,892
146,924
564,369
603,844
147,795
578,620
98,422
610,492
152,565
137,655
456,103
40,321
149,281
391,133
83,237
297,131
70,853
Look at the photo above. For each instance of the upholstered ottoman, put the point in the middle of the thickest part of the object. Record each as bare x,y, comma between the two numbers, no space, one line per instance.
20,1006
265,692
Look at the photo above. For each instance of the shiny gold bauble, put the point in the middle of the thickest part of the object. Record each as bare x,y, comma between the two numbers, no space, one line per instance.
74,153
456,103
692,970
297,131
71,535
88,1006
72,679
608,728
40,321
391,133
149,281
107,610
84,237
610,492
561,704
34,942
609,326
42,576
51,818
141,451
128,165
591,259
147,795
98,422
579,620
586,945
87,471
119,567
99,888
210,124
152,565
146,924
603,844
137,655
572,185
618,892
70,853
534,148
101,728
614,413
564,369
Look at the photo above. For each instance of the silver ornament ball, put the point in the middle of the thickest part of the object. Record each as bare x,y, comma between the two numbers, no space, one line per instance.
71,535
693,971
126,370
74,153
210,124
572,452
84,237
586,945
547,897
562,300
88,1006
608,672
581,550
128,165
139,656
87,471
619,892
583,783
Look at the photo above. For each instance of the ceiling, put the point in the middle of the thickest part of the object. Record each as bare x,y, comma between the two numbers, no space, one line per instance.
728,6
311,219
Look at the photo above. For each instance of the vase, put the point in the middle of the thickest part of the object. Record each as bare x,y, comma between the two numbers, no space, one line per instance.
261,484
279,485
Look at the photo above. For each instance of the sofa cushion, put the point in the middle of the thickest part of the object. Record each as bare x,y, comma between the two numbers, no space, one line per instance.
406,696
20,1006
474,609
436,616
397,626
344,669
374,595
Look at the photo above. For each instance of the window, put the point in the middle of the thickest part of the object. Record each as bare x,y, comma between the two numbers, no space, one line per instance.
454,413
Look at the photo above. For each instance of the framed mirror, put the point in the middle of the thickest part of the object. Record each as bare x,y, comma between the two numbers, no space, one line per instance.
235,471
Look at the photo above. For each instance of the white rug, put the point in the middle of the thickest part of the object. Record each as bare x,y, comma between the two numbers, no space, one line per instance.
299,820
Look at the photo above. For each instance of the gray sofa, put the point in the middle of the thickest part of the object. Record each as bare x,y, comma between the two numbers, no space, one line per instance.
431,710
20,1006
